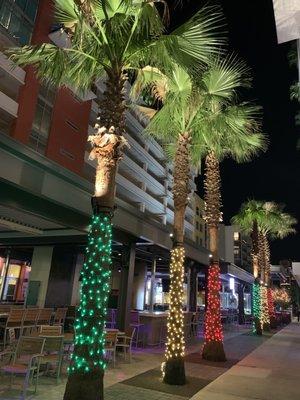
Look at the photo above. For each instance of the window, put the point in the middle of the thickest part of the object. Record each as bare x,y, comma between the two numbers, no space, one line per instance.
236,236
41,126
18,18
197,211
197,225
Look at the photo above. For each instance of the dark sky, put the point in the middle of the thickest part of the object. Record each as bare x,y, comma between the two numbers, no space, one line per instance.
275,174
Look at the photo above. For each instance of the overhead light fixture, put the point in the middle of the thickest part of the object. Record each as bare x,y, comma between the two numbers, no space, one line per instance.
19,226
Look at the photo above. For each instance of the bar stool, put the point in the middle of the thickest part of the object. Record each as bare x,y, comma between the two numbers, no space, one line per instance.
135,323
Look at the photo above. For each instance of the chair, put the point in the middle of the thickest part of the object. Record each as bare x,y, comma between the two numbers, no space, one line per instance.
25,360
44,317
110,345
135,323
53,352
60,316
30,319
14,320
50,330
111,318
125,342
5,309
197,322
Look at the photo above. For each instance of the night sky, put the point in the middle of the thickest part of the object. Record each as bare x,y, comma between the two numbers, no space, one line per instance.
275,174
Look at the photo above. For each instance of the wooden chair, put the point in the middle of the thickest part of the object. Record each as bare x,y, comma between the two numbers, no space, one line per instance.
125,342
25,360
5,309
111,318
110,346
53,353
14,320
30,319
44,316
135,323
60,316
50,330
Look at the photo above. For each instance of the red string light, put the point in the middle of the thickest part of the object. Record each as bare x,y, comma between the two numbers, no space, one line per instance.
271,303
213,328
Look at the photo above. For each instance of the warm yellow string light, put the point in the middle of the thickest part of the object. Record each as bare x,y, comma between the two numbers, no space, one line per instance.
264,314
175,346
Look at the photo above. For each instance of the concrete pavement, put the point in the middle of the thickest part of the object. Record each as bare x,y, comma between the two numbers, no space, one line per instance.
271,372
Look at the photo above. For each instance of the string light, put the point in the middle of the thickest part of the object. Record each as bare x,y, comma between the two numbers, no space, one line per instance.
90,318
264,309
256,308
175,345
271,307
213,333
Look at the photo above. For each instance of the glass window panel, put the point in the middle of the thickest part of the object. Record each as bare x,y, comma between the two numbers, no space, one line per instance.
5,14
46,122
38,116
31,9
25,32
21,3
14,26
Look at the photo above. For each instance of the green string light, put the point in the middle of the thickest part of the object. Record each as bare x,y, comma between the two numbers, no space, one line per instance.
91,315
256,304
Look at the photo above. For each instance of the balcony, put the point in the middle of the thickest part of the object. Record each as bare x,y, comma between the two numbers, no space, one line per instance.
8,105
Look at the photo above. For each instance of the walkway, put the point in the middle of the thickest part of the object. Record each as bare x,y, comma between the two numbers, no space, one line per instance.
271,372
258,368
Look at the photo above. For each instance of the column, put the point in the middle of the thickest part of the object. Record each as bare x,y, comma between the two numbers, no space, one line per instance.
139,285
126,284
193,288
241,288
152,293
39,275
76,283
188,288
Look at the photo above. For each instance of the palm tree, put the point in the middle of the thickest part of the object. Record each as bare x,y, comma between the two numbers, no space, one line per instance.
108,38
179,125
278,224
231,130
250,219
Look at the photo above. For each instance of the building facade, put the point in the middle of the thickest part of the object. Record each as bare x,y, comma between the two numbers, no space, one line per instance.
46,182
200,231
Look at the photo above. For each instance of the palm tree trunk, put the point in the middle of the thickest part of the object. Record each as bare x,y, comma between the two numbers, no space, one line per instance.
271,309
264,315
213,346
256,308
173,367
85,380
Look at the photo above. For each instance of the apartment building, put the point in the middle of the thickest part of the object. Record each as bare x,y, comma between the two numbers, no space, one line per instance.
46,177
200,231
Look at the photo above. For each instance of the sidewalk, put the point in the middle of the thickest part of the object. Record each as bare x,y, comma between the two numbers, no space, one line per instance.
271,372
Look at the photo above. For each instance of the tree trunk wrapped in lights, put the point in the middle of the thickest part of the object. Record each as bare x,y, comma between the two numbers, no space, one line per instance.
173,366
213,346
263,259
88,363
271,308
256,285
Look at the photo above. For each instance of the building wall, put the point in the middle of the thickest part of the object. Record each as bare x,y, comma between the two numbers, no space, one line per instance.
235,246
200,231
56,123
